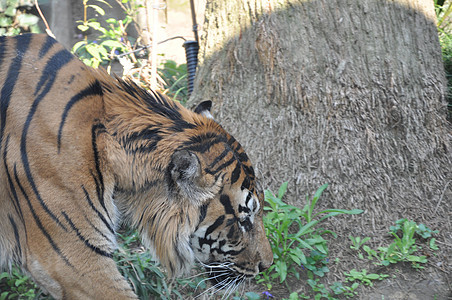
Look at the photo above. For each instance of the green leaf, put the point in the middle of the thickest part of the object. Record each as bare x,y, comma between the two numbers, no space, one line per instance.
93,49
35,29
322,248
293,296
433,245
27,20
385,263
319,192
252,296
98,9
5,21
340,211
295,258
96,26
112,44
420,259
11,11
373,276
282,190
281,269
78,45
82,28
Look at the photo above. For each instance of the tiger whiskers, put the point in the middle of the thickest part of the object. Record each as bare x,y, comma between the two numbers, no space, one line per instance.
224,278
214,288
232,287
213,277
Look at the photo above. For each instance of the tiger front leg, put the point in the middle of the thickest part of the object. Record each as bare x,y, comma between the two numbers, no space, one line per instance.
86,276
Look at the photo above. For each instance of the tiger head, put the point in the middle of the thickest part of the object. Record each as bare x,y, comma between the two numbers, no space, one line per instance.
187,185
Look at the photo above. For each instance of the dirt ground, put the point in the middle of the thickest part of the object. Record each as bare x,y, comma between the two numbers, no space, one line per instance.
404,282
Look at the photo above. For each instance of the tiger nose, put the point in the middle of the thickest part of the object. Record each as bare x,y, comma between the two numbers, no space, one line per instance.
262,266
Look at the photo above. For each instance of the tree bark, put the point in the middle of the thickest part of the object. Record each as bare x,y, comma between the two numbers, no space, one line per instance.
345,92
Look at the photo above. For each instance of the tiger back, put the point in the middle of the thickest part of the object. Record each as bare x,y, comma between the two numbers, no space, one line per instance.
82,151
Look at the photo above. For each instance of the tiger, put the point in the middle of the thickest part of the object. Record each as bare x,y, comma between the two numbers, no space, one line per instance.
83,152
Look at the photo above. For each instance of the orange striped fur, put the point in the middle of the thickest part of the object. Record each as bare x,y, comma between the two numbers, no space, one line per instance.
83,152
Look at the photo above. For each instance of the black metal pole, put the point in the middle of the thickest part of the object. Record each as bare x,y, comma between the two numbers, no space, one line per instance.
191,54
193,19
191,51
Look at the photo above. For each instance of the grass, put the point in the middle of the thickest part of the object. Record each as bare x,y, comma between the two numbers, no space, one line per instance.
293,233
16,285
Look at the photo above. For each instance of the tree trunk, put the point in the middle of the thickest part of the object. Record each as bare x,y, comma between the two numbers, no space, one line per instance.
345,92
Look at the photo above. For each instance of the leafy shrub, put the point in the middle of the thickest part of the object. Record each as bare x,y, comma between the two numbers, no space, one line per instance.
16,19
291,230
110,41
16,285
175,80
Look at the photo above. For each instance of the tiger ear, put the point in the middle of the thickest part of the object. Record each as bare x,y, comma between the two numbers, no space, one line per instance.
203,108
184,167
185,176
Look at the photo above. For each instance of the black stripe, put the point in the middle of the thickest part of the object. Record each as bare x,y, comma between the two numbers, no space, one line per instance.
10,182
232,233
226,201
92,90
100,187
220,157
157,103
244,209
144,141
46,82
91,204
46,46
202,143
236,173
99,231
84,240
203,212
2,49
100,194
38,221
229,252
18,251
11,79
215,225
50,72
248,198
222,166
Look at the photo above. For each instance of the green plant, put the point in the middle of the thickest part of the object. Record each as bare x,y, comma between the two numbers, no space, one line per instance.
349,291
148,281
320,289
16,19
363,277
404,247
175,80
16,285
420,229
109,43
357,242
290,230
248,296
